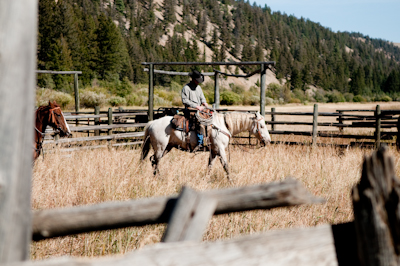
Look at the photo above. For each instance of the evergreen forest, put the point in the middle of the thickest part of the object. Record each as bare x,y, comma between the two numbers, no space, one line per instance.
108,39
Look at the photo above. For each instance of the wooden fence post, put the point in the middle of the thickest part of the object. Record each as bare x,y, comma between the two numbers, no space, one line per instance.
376,211
340,120
151,92
273,118
190,217
315,125
216,90
18,29
398,134
76,91
262,89
110,120
97,120
378,126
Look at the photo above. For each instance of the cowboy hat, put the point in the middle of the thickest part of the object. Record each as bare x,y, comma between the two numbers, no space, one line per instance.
196,75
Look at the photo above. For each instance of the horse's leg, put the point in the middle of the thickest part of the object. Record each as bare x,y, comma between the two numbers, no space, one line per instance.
211,160
224,162
168,149
159,152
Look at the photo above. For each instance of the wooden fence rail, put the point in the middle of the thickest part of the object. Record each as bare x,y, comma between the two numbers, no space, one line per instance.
59,222
100,123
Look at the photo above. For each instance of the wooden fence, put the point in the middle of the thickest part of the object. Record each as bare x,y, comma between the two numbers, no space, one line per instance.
381,126
122,127
372,239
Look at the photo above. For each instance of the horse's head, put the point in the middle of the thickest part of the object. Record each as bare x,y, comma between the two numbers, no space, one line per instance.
57,120
259,129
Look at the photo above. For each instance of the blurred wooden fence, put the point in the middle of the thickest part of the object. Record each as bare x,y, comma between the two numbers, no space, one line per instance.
372,239
125,127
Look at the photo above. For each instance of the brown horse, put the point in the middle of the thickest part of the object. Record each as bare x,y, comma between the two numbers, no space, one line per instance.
50,115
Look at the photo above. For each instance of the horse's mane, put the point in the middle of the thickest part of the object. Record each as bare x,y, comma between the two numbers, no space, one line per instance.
237,121
46,107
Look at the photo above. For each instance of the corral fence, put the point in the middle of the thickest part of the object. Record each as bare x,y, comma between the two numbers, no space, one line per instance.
371,239
124,127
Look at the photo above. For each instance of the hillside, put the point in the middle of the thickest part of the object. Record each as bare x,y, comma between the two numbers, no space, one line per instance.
108,40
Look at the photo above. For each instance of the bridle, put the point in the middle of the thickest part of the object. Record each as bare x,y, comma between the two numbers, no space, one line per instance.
258,127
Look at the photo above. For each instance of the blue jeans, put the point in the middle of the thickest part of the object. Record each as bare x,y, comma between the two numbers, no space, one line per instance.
199,139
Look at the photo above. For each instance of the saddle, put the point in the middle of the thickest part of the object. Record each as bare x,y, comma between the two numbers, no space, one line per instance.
179,122
193,121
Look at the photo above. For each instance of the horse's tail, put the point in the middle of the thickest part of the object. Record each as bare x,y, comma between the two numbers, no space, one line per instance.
146,143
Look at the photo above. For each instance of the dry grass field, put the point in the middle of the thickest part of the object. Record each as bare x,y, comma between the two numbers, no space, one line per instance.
94,176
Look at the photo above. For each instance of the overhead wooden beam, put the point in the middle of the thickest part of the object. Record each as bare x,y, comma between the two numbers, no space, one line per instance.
18,29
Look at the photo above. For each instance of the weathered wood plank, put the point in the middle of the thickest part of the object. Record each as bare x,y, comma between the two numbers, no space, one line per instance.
69,116
18,28
190,217
115,136
376,211
104,127
301,247
110,215
57,72
315,125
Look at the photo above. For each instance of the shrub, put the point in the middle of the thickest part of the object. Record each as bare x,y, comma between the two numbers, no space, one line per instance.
177,101
269,101
124,87
158,101
90,99
176,87
320,96
348,96
386,99
383,98
300,95
209,95
335,97
117,101
230,98
359,99
209,86
274,91
43,96
165,94
136,100
250,98
238,89
294,100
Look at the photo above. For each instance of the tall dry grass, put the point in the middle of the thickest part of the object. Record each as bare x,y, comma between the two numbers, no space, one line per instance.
89,177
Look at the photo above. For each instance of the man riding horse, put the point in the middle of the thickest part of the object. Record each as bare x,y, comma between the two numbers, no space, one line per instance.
193,97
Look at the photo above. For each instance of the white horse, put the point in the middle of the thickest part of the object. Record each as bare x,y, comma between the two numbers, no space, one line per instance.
163,137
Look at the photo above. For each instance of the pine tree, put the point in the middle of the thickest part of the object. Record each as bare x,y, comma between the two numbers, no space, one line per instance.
120,6
112,51
392,83
169,11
